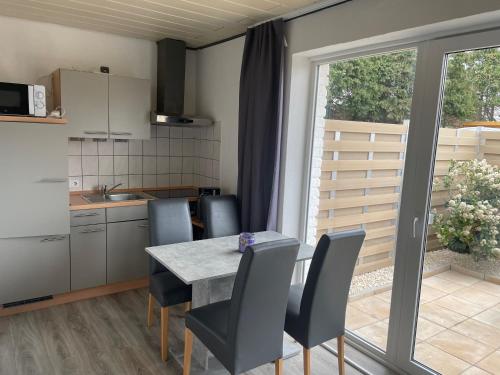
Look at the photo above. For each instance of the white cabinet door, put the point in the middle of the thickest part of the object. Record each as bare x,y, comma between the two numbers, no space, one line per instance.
84,97
34,178
129,108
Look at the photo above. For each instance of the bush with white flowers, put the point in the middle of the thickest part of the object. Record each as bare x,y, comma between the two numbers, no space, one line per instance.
471,221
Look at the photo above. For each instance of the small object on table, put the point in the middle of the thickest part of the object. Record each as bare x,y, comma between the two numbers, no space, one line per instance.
246,239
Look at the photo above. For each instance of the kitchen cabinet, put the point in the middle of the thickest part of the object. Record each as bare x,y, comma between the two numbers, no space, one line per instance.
88,256
84,97
126,257
101,105
34,172
129,108
33,267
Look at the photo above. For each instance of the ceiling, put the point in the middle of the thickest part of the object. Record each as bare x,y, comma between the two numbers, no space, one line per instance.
198,22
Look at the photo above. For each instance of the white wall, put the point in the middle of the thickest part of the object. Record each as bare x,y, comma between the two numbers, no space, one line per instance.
219,68
217,91
29,50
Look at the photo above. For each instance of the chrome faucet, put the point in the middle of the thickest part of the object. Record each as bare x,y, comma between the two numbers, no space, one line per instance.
105,189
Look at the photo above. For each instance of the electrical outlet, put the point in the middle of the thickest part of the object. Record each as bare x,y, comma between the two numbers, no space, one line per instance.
74,182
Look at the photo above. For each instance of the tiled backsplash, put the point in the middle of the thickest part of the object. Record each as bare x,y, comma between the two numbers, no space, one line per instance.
173,156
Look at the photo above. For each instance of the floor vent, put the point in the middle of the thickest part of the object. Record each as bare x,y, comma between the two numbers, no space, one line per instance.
26,301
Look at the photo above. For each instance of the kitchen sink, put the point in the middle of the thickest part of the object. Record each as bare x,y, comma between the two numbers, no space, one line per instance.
114,197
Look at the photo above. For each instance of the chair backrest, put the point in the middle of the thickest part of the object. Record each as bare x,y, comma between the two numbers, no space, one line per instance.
169,222
258,303
220,215
324,299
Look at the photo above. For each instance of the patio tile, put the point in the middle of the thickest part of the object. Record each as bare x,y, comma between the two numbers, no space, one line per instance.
440,315
458,278
428,293
426,329
491,317
479,331
439,360
477,296
385,296
491,363
356,318
458,304
444,285
460,346
475,371
374,306
375,333
488,287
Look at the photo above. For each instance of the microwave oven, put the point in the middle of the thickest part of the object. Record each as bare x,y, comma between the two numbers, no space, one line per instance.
18,99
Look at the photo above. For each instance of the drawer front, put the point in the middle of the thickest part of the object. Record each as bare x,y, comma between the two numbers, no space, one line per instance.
33,267
127,213
87,217
88,256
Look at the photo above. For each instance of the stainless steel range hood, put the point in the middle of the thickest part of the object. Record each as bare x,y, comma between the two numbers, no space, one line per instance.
171,71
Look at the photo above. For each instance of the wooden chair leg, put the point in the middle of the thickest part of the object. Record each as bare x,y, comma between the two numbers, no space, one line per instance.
150,310
340,354
307,361
164,334
187,306
188,348
278,366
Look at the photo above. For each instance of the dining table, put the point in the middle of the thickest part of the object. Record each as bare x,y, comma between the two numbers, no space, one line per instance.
210,267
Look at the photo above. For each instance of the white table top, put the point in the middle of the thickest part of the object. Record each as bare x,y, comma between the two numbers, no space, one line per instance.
213,258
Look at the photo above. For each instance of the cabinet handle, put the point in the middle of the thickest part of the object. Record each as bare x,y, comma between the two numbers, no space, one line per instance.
143,226
90,132
55,238
52,180
86,215
92,230
121,133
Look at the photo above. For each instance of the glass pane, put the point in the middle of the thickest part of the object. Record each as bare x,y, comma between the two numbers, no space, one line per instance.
361,126
458,327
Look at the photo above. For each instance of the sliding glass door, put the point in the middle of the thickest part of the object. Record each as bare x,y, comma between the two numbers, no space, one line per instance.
403,139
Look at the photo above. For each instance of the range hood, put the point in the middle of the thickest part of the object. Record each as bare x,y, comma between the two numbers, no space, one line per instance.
170,85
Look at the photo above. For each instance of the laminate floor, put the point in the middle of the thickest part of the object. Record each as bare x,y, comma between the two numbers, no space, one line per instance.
105,335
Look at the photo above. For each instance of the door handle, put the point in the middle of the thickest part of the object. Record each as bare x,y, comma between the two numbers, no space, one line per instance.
53,238
415,221
121,133
86,215
143,226
92,230
52,180
94,132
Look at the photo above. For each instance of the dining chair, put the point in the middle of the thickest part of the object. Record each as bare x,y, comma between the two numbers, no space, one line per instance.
316,311
169,223
220,215
247,331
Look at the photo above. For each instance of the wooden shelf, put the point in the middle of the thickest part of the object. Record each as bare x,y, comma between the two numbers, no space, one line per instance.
37,120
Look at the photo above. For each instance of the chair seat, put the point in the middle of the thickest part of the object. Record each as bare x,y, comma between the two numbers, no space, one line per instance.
168,289
293,323
210,324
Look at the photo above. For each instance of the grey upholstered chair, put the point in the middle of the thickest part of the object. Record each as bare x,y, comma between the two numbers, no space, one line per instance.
220,215
247,331
316,311
169,222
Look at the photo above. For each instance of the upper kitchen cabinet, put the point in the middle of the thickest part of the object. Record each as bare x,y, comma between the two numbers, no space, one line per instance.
102,105
129,108
84,97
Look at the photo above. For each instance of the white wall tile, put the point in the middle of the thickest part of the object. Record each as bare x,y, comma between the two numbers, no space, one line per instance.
162,164
149,181
149,165
90,165
89,147
187,179
123,180
163,180
217,130
149,147
187,147
189,133
135,147
74,165
105,165
105,147
175,132
215,150
120,165
90,183
175,179
163,147
135,181
135,165
120,148
187,165
216,169
106,180
154,129
74,147
175,147
175,165
163,132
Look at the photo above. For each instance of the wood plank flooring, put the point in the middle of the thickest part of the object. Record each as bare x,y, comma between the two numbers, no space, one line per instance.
105,335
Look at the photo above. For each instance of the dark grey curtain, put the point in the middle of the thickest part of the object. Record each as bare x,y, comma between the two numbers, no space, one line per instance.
259,137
